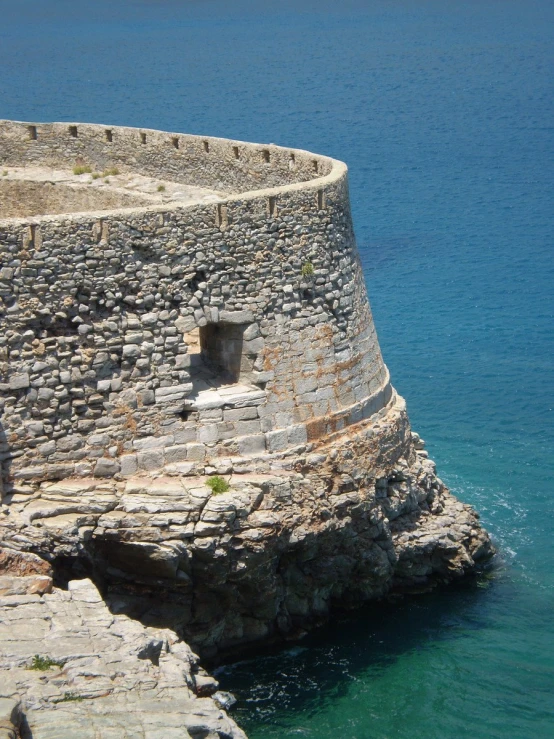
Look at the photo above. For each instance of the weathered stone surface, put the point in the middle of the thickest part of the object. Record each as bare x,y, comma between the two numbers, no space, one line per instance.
145,350
108,675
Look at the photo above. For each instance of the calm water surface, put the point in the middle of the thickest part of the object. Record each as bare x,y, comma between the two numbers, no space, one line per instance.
444,112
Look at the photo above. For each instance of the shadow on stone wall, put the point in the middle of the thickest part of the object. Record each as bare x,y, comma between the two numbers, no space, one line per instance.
6,485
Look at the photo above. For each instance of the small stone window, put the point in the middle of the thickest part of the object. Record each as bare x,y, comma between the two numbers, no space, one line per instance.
73,131
143,138
109,135
32,133
221,355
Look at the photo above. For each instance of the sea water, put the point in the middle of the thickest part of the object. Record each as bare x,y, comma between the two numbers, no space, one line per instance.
444,112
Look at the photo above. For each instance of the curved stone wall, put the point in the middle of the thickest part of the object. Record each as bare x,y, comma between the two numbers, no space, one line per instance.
99,372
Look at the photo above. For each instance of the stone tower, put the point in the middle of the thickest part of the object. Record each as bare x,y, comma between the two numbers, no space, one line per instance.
174,307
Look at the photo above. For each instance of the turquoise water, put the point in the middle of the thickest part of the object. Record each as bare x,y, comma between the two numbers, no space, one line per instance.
444,112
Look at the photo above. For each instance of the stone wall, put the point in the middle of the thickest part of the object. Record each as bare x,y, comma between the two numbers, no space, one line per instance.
98,377
144,349
220,164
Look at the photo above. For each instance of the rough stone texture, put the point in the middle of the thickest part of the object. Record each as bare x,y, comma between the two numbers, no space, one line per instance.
339,523
97,309
113,677
145,349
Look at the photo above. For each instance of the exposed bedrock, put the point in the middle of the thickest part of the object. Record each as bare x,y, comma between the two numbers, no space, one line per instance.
69,668
332,524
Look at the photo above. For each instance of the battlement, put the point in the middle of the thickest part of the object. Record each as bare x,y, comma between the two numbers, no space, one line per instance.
174,302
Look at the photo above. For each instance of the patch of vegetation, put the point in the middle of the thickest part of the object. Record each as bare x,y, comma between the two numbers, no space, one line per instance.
5,173
217,484
69,697
307,269
96,175
43,663
111,171
161,188
82,169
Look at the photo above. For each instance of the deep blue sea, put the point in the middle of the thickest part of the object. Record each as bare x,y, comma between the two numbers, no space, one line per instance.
444,112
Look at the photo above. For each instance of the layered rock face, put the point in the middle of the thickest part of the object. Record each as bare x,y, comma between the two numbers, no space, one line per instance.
226,331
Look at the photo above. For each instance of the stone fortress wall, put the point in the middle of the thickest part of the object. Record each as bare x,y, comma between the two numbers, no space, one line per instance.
209,316
103,313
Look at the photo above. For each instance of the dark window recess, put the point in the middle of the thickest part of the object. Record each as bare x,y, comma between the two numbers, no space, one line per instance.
236,152
206,146
265,156
175,142
73,131
109,135
315,165
143,138
320,200
33,133
272,205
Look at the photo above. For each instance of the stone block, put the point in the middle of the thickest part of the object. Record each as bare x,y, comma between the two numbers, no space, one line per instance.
106,467
240,414
177,453
153,442
129,464
20,381
245,428
249,445
208,433
147,397
276,440
196,452
297,435
239,316
131,351
150,460
182,436
173,392
255,346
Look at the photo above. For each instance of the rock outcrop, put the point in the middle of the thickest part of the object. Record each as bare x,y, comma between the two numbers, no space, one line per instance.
69,668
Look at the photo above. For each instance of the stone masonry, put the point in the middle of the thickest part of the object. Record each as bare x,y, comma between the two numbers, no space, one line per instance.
172,308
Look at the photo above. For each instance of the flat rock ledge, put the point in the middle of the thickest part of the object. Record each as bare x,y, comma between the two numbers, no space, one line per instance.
69,667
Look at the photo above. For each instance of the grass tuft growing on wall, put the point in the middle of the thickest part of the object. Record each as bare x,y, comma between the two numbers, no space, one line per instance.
217,484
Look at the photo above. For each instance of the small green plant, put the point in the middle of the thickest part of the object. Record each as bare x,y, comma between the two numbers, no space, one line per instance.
307,269
43,663
69,697
82,169
217,484
5,173
111,171
96,175
161,188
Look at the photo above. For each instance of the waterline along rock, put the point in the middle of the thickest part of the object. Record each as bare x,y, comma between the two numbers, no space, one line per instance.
174,307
